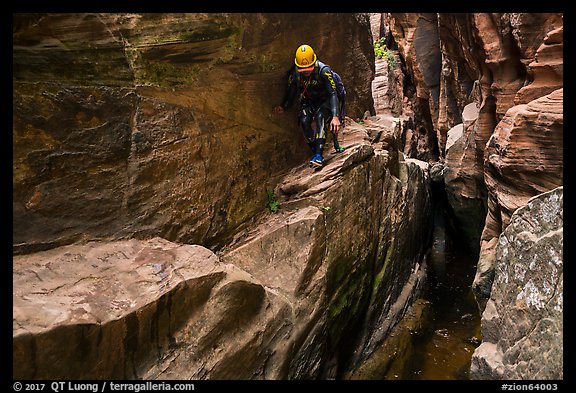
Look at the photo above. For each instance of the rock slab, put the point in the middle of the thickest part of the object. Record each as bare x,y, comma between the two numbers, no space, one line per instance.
522,325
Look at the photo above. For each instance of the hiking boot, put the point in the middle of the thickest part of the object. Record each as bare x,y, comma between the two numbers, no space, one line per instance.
339,149
316,160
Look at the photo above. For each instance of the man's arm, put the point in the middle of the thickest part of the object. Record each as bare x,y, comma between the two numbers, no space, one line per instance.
289,95
330,86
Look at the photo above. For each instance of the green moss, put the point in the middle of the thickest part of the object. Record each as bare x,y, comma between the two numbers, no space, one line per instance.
345,304
338,305
338,271
151,66
380,275
347,285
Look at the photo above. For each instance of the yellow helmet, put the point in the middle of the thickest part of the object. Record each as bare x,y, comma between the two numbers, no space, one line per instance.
305,58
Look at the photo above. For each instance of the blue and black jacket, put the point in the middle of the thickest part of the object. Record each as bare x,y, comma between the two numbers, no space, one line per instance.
312,91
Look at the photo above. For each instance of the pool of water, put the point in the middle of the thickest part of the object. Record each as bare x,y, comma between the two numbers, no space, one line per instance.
445,353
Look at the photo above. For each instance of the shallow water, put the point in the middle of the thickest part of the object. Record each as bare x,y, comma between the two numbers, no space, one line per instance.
445,353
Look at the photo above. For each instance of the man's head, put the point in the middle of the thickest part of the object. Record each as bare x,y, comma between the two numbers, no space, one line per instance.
305,59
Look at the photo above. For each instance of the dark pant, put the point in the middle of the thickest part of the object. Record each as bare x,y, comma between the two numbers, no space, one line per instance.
315,138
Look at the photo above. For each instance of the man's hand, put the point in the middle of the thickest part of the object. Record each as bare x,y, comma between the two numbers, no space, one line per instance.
335,125
278,109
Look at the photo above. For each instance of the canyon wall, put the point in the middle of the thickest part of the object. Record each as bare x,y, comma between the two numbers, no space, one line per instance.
303,294
145,154
472,74
142,125
522,324
147,143
489,89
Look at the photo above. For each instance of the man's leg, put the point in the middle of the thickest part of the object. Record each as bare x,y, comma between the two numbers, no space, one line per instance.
320,138
305,120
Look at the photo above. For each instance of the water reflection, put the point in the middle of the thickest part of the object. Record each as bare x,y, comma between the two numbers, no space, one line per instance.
446,352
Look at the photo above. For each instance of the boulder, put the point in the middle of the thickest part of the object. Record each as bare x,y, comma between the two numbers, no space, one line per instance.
522,324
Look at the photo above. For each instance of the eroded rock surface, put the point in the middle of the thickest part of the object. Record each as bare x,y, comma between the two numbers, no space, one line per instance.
131,309
492,60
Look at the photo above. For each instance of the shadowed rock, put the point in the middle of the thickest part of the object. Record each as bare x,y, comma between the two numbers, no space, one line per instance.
161,124
291,298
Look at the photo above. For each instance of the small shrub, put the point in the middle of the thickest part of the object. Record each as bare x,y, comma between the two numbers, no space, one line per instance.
382,52
379,48
272,203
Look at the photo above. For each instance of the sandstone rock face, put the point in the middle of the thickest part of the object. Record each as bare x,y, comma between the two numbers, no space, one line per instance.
547,69
497,62
491,59
462,189
508,68
160,124
522,325
417,38
347,267
130,309
380,87
510,42
377,26
387,86
295,297
459,70
483,56
523,158
388,82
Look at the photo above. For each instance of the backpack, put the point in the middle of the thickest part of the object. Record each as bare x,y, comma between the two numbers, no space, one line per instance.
340,92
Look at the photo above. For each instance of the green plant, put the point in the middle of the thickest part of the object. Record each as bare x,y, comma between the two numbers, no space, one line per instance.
379,48
272,203
390,60
382,52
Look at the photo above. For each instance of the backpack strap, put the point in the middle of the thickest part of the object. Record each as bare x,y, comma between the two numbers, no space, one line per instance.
321,66
341,97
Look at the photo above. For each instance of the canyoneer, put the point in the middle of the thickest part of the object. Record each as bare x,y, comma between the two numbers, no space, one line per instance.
315,85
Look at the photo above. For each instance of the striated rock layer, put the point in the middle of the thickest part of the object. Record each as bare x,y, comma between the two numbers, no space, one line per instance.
158,127
523,158
495,105
462,187
306,293
495,60
522,325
